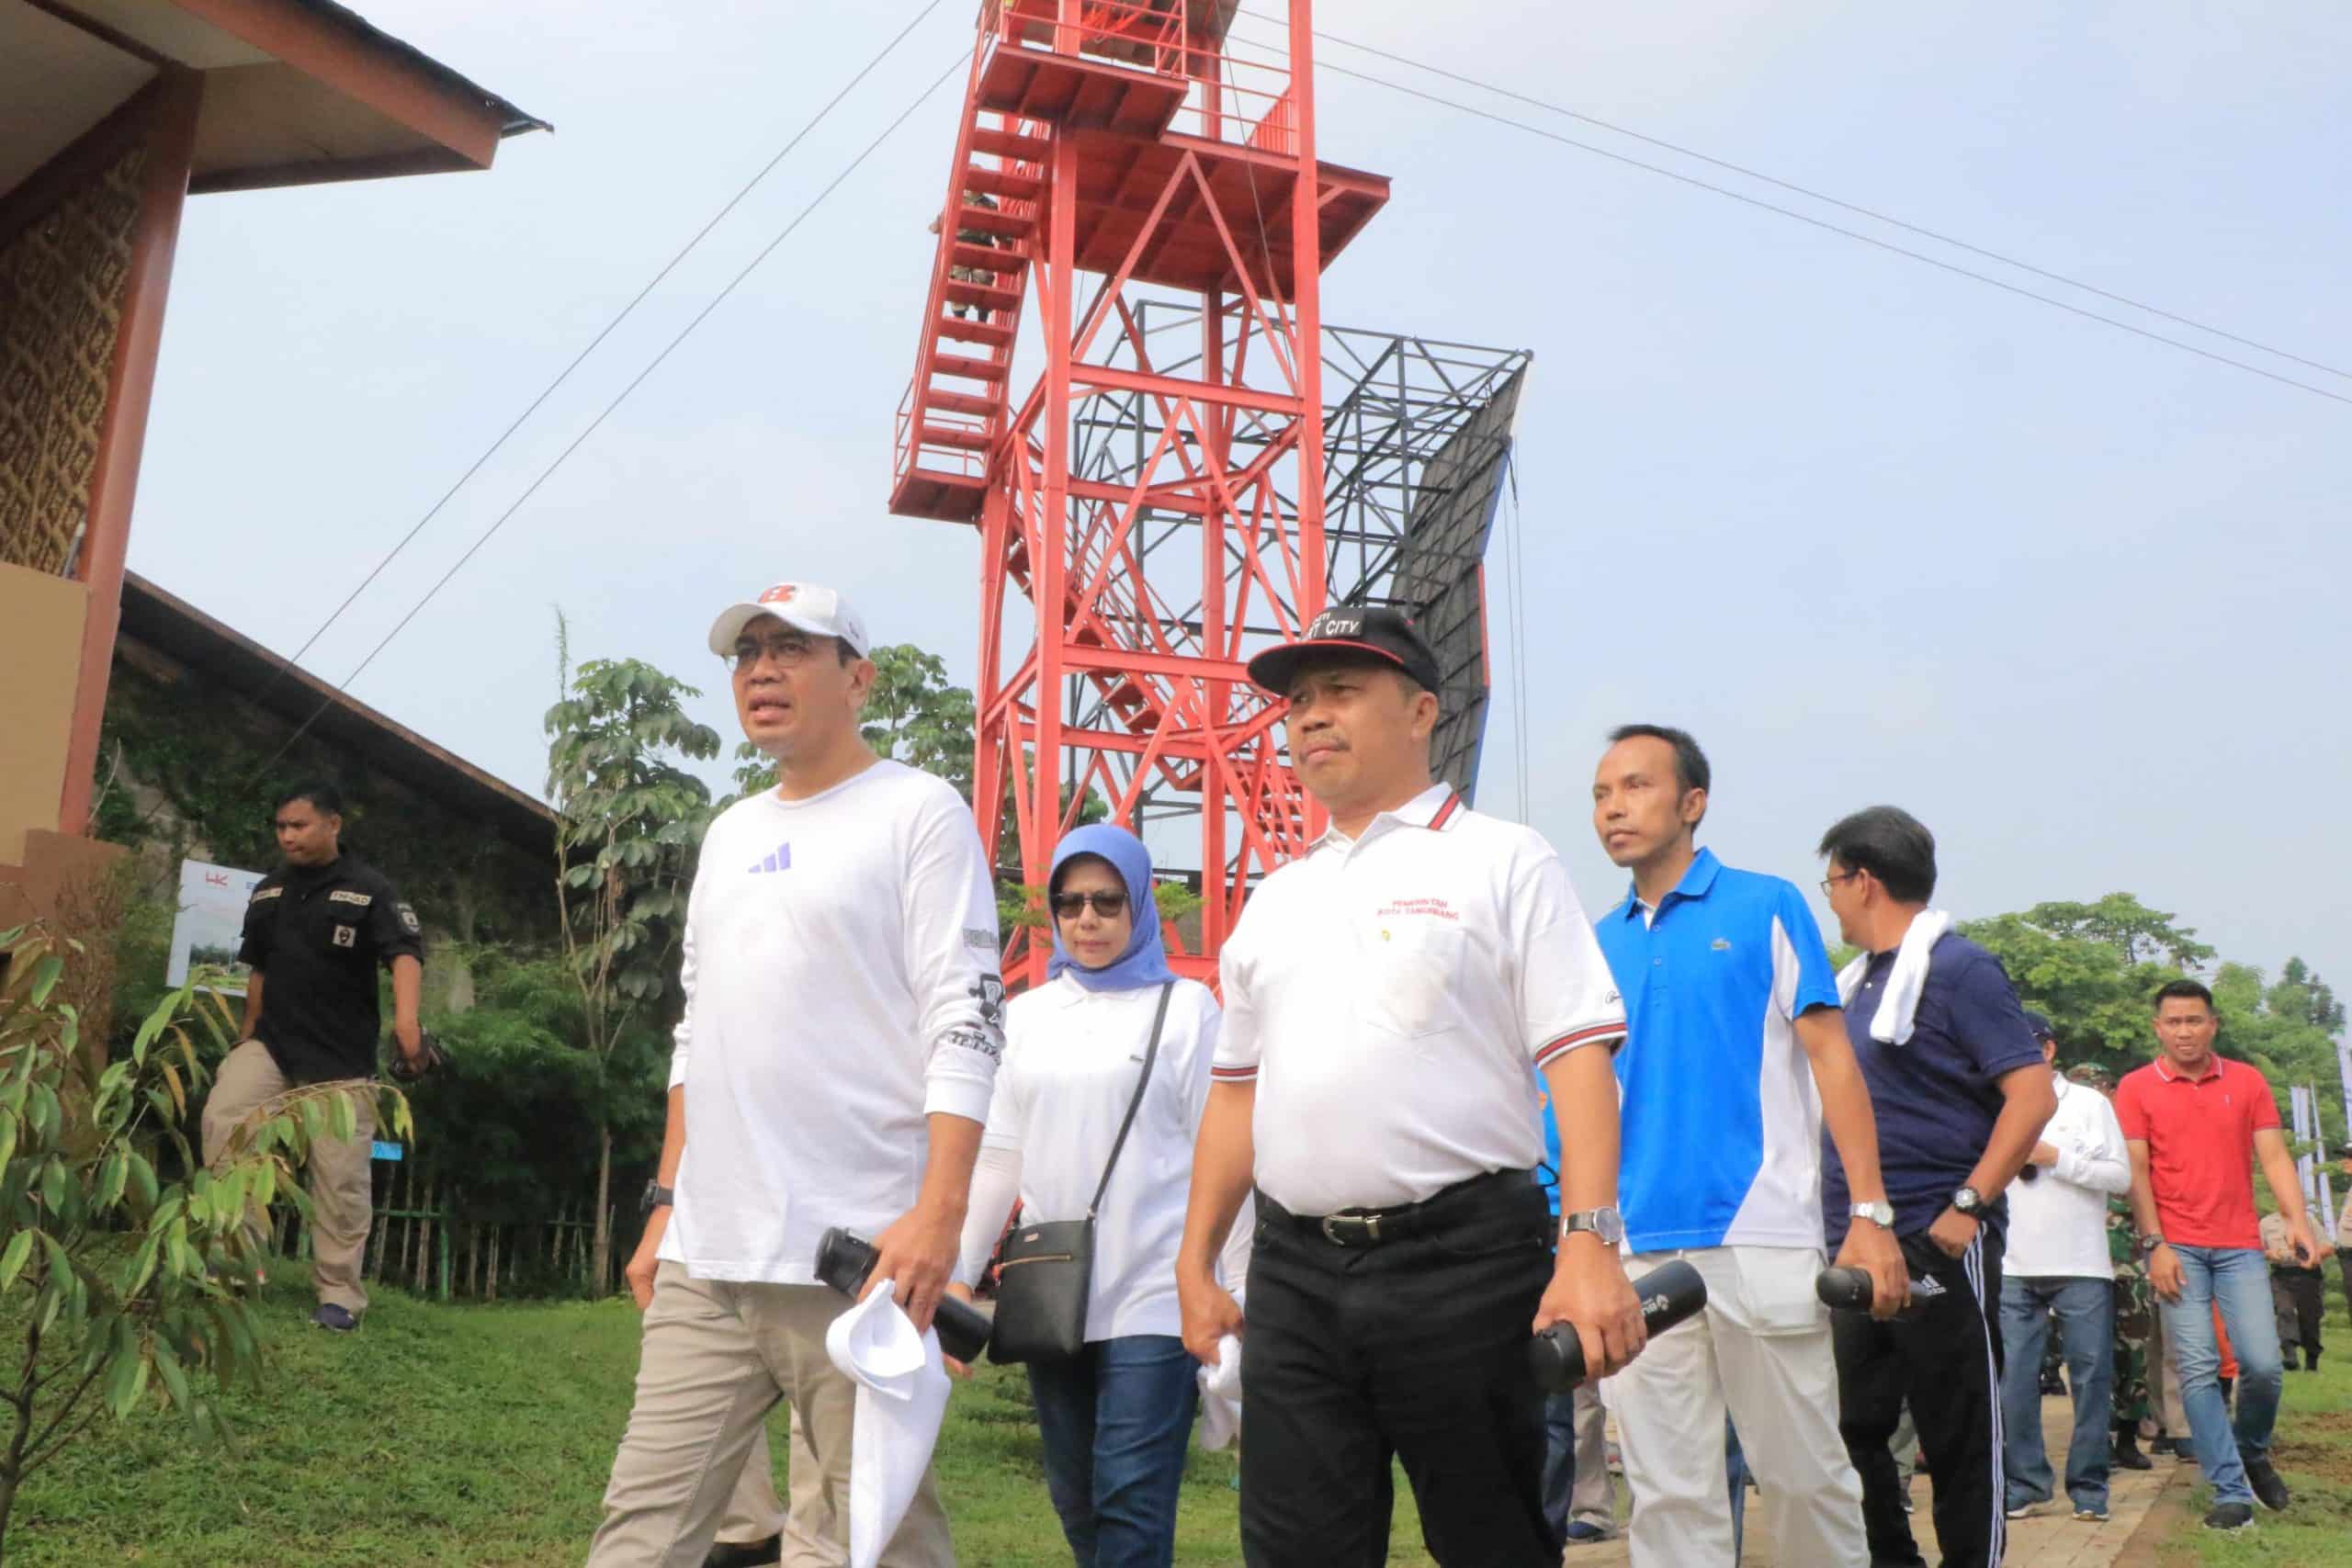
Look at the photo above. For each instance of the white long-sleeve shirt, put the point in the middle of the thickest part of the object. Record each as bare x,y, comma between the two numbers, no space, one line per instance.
1070,1062
2058,1222
841,985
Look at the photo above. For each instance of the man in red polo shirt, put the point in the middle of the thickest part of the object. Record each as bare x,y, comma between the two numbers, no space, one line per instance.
2190,1118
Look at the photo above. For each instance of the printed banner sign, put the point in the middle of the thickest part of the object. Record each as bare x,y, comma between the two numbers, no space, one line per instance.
210,921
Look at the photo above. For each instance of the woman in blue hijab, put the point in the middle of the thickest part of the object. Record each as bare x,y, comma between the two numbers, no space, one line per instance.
1116,1419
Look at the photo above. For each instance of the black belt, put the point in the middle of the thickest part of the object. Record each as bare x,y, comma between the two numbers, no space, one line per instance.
1371,1227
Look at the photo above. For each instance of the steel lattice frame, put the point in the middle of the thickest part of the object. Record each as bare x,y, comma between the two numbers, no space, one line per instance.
1150,212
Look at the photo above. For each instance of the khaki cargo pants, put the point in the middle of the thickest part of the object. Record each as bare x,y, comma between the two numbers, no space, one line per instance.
337,1171
717,1357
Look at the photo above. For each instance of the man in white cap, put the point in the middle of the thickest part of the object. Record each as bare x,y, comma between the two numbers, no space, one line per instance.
842,1026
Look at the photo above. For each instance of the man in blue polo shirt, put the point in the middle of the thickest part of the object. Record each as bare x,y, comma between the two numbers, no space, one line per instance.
1961,1090
1735,1060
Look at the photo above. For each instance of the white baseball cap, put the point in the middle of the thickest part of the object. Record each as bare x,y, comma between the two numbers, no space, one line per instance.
818,611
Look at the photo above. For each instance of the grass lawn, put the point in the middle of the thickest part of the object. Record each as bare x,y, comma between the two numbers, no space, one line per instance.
481,1437
2313,1452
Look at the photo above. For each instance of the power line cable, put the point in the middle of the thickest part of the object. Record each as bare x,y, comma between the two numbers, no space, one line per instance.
1824,224
1856,207
610,327
547,473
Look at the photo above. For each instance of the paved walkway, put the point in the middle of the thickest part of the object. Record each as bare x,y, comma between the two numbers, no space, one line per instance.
2053,1541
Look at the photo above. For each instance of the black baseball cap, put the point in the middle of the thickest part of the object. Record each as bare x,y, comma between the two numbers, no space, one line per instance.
1377,630
2040,1024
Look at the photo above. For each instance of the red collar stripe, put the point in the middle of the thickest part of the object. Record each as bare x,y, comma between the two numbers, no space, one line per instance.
1445,813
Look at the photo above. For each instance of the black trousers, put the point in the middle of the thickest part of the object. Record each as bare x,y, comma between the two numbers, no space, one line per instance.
1946,1360
2344,1274
1415,1350
2297,1298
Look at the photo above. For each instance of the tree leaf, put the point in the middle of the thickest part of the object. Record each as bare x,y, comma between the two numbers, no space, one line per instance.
142,1180
179,1095
13,1256
8,1137
126,1381
46,970
111,1176
174,1376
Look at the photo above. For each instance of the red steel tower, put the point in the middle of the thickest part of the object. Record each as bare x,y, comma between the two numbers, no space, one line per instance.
1135,197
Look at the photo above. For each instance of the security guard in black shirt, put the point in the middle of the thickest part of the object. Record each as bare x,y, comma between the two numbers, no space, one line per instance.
315,933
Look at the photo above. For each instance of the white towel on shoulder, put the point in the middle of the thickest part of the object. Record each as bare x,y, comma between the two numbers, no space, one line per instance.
902,1398
1898,1007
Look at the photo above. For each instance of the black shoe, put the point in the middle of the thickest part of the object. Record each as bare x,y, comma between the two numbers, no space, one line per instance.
2311,1361
2126,1454
334,1319
2164,1445
2268,1490
2229,1517
745,1554
2185,1451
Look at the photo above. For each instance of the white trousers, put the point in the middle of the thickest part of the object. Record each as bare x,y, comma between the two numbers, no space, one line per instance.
1761,1352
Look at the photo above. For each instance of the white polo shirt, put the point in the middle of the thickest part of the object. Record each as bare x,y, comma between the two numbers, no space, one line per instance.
1387,994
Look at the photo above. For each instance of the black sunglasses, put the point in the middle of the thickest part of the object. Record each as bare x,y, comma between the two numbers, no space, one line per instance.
1107,905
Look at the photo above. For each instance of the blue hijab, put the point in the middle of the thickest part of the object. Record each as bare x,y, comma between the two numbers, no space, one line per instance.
1145,962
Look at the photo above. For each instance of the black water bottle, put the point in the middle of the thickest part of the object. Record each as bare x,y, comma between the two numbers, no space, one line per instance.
1669,1295
845,1260
1849,1290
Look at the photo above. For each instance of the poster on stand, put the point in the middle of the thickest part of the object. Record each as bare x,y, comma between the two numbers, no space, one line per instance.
210,922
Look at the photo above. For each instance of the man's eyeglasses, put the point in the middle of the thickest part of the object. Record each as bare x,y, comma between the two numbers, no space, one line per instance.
1828,881
787,651
1068,906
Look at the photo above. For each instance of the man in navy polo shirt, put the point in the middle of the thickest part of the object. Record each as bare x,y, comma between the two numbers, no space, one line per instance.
1734,1060
1958,1082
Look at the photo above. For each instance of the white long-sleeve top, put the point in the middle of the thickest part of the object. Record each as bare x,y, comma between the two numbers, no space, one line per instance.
841,985
2058,1222
1070,1062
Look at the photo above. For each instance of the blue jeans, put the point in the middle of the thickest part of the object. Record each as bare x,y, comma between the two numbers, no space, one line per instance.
2085,1309
2237,1279
1115,1421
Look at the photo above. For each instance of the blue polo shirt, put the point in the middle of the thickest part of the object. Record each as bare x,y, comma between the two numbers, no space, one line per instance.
1936,1095
1721,1128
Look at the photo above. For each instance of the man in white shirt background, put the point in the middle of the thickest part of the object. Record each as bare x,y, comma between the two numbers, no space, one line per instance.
842,1027
2059,1269
1384,997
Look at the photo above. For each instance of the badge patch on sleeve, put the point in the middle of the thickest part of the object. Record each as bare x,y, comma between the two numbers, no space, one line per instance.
408,919
990,992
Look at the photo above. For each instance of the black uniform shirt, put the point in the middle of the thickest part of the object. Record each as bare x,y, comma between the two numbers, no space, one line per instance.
317,934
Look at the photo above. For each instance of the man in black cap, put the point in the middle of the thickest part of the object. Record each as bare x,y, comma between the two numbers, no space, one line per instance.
1388,998
316,931
2058,1273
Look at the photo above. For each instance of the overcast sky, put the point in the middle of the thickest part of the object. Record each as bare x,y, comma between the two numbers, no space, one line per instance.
1872,531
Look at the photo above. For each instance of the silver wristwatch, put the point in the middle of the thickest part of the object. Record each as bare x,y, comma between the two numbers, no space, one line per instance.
1881,1213
1606,1223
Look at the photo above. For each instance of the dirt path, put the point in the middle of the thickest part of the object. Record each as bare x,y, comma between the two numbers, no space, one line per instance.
2053,1541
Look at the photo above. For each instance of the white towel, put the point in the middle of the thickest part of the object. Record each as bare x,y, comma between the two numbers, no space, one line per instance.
1221,1398
1898,1007
901,1396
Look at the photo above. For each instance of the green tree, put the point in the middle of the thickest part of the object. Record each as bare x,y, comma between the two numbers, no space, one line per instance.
2286,1029
911,715
130,1285
2092,968
631,818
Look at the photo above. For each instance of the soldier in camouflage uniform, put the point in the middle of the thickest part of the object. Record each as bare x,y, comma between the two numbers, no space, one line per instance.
2135,1311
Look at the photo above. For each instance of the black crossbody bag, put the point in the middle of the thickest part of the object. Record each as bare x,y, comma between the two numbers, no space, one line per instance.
1046,1272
